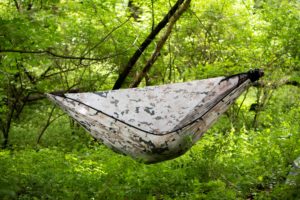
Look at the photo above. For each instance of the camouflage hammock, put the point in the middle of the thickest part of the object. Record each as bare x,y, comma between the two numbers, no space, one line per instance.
155,123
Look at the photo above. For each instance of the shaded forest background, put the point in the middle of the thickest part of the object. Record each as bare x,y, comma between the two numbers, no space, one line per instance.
79,46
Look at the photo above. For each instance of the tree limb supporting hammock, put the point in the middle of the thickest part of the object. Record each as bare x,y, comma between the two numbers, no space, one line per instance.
155,123
128,67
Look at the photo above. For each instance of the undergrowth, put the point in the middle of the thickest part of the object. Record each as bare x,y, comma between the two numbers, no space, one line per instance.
229,162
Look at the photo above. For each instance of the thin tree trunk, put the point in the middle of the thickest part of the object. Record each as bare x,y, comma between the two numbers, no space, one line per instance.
48,123
7,125
160,43
5,137
17,5
128,67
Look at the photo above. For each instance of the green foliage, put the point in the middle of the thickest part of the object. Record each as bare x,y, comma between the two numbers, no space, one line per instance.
227,163
246,155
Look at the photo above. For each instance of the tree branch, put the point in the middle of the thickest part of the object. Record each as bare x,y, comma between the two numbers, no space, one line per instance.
105,37
128,67
39,96
56,55
17,5
277,84
48,123
160,43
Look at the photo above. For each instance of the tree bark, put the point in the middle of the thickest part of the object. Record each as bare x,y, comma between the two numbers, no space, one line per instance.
128,67
160,43
7,124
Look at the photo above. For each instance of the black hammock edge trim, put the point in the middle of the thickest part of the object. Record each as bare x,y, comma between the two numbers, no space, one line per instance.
169,132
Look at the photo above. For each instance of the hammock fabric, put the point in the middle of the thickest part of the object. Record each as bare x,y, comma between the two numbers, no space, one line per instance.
155,123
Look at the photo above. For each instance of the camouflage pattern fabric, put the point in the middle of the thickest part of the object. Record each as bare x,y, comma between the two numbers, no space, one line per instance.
156,123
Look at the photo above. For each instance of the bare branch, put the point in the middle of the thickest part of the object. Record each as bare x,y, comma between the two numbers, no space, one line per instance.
160,43
48,123
39,96
57,55
105,37
152,15
128,67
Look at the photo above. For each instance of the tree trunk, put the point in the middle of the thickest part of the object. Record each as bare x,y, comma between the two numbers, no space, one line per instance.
5,140
128,67
6,126
160,43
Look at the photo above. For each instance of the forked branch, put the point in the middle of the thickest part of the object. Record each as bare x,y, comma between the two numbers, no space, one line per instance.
160,43
128,67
